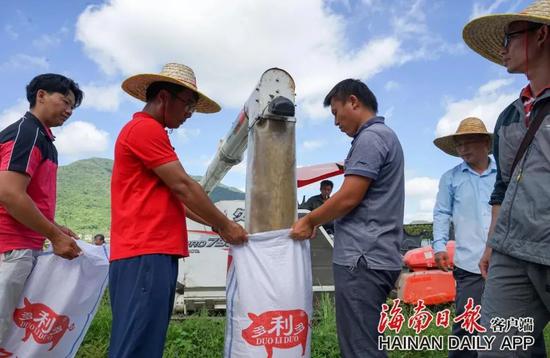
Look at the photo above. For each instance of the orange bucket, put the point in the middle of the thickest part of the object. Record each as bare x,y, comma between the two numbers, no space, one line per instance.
433,286
423,258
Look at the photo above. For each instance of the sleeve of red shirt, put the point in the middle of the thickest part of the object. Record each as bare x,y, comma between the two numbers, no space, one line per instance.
21,152
150,143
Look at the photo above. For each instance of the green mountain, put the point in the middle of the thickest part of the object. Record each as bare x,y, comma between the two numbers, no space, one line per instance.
83,195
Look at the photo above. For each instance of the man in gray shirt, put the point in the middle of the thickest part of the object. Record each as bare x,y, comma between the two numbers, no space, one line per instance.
516,261
368,210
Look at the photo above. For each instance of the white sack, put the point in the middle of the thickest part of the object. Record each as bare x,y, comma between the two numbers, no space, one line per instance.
58,304
269,298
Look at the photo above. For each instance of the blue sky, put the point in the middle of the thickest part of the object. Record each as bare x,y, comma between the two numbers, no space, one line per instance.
410,53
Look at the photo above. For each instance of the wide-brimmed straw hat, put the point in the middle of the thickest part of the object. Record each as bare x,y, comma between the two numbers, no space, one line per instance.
484,35
468,126
176,73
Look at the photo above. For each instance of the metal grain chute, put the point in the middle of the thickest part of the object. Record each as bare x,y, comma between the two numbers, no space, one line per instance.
266,125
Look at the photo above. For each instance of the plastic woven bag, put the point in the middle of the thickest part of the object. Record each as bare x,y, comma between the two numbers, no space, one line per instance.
269,298
58,304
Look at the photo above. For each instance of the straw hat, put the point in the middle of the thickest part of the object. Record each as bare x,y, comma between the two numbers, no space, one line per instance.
179,74
484,35
468,126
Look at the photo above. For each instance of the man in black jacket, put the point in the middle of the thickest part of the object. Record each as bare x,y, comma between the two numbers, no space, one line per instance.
316,201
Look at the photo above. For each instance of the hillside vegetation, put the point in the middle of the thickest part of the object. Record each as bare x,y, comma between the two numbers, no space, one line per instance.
83,195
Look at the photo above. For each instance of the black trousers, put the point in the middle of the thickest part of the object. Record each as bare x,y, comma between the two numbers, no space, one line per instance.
468,285
359,294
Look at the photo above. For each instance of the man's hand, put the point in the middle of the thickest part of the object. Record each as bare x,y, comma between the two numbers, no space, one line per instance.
484,261
302,229
233,233
68,232
443,261
64,246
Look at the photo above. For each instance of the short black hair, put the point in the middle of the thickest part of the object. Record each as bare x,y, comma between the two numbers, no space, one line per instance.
101,236
51,83
155,87
327,182
349,87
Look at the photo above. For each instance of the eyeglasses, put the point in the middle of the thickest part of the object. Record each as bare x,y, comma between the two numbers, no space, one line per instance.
508,36
460,143
189,107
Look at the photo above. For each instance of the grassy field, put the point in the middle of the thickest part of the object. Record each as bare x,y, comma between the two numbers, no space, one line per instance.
201,335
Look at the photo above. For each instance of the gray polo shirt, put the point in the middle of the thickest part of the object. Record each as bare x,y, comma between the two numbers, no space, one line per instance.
374,229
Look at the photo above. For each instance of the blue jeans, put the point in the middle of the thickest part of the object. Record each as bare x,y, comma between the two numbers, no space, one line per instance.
142,293
359,294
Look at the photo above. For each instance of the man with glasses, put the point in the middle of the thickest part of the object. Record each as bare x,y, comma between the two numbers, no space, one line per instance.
28,172
463,200
508,36
151,194
516,261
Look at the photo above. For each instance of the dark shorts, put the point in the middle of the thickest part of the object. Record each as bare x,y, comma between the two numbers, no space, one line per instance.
142,293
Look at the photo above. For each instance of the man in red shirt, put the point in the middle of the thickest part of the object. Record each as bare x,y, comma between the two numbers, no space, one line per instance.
151,194
28,175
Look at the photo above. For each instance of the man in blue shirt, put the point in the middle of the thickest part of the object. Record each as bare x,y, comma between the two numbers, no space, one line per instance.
369,212
463,199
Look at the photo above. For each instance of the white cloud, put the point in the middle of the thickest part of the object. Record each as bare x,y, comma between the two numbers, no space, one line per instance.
372,3
46,41
313,144
229,47
25,61
240,168
196,165
344,3
482,8
420,194
388,114
494,86
427,205
486,104
185,134
391,85
422,43
10,31
80,140
102,98
412,21
421,187
12,114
